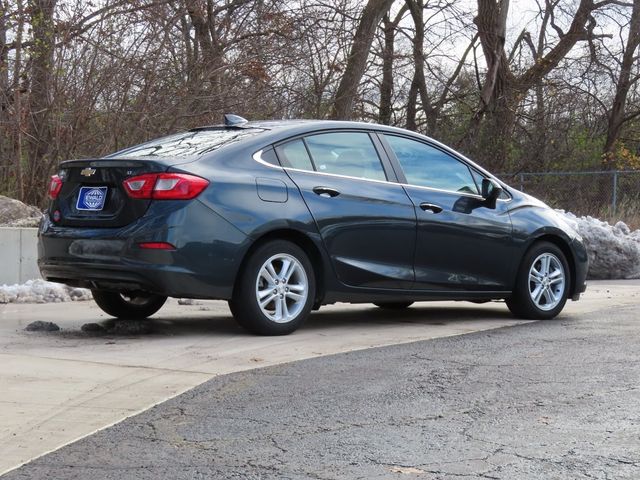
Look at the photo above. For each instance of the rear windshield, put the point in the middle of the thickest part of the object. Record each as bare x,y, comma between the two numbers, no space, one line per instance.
188,144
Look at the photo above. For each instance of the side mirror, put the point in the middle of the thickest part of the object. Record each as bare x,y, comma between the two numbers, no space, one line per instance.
491,190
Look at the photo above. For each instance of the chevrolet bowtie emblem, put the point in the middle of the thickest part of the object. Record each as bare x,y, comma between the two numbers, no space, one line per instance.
87,172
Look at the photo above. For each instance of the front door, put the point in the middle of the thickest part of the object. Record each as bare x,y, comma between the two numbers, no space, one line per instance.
462,244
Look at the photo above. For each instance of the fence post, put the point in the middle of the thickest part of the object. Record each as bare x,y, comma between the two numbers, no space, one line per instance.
522,182
614,197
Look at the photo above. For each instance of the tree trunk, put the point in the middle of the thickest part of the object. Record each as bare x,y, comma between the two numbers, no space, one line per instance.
357,60
17,101
416,7
209,66
495,114
623,85
40,98
386,87
412,108
5,126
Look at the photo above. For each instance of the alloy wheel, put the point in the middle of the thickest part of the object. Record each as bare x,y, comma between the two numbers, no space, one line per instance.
282,288
547,281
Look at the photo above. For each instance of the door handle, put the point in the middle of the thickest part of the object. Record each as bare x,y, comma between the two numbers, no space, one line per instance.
326,191
430,207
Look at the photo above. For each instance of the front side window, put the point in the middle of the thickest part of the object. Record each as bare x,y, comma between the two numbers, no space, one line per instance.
427,166
345,153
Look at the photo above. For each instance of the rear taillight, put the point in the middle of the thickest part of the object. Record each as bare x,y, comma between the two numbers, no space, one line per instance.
140,186
55,186
165,186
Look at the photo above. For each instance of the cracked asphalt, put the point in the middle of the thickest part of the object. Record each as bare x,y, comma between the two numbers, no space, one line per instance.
545,400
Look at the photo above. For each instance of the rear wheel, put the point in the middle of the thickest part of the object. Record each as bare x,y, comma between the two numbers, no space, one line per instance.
393,305
275,291
129,305
542,285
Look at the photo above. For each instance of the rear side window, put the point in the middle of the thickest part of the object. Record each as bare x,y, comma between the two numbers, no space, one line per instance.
427,166
188,144
346,153
294,154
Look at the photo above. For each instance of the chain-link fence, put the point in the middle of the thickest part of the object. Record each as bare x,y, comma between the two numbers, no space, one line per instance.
609,195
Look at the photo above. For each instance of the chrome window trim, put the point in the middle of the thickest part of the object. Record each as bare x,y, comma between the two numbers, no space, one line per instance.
258,158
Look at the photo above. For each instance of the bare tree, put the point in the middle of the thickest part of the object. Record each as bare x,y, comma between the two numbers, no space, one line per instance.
386,87
502,89
357,60
626,79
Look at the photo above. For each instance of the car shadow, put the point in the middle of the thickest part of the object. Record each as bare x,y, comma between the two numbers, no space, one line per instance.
417,314
365,316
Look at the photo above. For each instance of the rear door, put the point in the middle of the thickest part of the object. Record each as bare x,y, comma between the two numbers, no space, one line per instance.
367,223
461,244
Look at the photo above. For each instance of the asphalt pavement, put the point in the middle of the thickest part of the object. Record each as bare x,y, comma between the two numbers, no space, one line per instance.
544,400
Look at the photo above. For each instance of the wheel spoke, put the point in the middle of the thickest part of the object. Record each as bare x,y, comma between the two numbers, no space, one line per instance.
293,296
268,300
291,271
544,267
285,308
296,287
556,273
264,293
278,314
284,270
268,275
535,278
272,271
537,294
550,297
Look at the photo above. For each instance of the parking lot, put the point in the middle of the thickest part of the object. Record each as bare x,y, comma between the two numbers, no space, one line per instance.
61,386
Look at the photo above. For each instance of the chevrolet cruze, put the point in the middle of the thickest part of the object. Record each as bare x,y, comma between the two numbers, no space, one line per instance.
281,217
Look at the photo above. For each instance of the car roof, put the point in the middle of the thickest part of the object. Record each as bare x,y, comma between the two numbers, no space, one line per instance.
303,124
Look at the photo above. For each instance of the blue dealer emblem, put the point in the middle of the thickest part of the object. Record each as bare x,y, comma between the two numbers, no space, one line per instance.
91,198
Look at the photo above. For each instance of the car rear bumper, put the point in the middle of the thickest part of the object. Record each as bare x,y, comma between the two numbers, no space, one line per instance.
204,264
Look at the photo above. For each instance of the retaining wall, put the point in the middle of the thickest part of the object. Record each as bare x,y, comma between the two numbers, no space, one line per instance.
18,255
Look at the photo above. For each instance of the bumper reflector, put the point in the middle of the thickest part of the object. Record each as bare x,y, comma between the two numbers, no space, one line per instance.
156,246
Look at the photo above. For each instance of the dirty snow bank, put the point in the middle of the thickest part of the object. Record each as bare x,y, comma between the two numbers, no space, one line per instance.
614,250
14,213
41,291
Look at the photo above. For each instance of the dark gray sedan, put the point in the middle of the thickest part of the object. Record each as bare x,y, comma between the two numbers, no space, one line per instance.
280,218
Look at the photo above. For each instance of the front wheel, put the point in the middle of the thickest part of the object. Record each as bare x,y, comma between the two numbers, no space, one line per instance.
129,305
275,291
542,285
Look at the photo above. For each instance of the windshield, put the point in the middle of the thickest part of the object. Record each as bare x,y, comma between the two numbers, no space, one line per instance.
188,144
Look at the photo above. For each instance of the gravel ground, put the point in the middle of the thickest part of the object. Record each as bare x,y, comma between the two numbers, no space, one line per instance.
546,400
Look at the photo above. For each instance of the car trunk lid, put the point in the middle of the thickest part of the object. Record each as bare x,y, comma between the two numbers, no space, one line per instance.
92,192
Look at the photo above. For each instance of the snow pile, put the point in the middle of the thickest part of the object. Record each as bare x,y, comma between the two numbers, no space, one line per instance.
40,291
614,250
14,213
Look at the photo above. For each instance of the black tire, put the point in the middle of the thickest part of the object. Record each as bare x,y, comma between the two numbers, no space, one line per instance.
126,305
393,305
520,303
244,305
